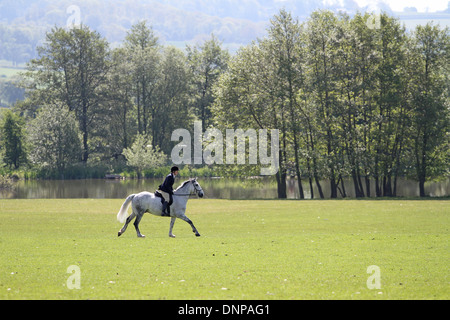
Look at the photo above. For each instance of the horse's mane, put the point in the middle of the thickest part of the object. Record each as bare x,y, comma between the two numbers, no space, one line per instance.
184,183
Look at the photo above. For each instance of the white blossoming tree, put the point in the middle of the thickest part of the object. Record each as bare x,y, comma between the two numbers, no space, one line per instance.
142,155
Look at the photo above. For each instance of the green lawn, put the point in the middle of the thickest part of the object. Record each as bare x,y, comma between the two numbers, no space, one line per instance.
7,73
248,250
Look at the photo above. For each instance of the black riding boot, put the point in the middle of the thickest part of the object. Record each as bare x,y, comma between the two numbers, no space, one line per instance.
165,210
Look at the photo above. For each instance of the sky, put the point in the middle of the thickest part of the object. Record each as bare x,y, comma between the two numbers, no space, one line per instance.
420,5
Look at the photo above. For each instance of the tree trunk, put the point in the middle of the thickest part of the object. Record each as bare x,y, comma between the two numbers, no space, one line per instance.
281,183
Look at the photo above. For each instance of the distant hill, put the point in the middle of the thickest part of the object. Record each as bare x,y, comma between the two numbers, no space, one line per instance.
177,22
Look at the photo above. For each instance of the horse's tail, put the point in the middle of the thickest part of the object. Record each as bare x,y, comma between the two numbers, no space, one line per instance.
122,215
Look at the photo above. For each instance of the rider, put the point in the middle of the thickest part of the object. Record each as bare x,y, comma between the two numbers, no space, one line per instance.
166,189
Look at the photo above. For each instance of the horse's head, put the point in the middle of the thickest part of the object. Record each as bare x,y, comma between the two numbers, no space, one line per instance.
198,189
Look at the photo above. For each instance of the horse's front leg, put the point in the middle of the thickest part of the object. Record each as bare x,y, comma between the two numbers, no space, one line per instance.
172,222
183,217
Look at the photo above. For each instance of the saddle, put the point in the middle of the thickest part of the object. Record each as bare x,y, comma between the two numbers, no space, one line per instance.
159,195
163,202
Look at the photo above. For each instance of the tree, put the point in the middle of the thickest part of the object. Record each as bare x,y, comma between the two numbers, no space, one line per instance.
141,155
247,96
285,44
172,108
310,134
54,138
349,85
160,85
72,68
122,126
206,62
322,60
366,58
144,52
430,100
356,61
390,89
12,140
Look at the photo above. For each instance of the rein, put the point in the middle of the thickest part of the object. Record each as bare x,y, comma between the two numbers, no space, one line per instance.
188,194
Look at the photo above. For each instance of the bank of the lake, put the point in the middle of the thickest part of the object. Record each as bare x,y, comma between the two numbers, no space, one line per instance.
215,188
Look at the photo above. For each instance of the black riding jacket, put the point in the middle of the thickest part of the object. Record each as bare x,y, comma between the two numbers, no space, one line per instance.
167,185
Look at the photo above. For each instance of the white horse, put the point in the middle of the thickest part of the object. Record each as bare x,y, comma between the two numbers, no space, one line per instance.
147,202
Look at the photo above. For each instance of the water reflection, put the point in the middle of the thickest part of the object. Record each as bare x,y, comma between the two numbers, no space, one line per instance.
260,188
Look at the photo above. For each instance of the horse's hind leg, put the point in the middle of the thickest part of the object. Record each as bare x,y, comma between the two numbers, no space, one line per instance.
172,221
136,224
129,219
192,225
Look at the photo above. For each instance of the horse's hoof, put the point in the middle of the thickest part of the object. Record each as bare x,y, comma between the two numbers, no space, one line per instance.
172,236
119,234
197,234
141,236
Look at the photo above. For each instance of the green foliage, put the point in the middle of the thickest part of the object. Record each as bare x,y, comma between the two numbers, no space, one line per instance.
207,62
430,102
348,98
18,42
12,139
10,92
71,69
142,155
6,183
55,138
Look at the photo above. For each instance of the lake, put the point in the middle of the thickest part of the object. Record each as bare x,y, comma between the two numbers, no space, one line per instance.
215,188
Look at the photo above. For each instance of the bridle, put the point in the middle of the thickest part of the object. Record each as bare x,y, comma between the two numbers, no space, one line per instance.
189,194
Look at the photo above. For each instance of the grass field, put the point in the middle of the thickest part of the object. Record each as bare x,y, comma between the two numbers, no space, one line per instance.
7,73
248,250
